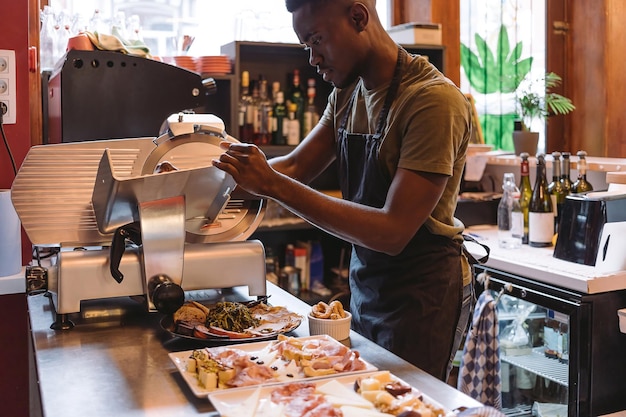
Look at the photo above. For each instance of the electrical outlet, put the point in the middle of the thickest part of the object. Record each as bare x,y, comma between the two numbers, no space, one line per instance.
8,95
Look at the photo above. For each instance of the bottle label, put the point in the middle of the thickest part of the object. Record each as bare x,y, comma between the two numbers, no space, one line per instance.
540,228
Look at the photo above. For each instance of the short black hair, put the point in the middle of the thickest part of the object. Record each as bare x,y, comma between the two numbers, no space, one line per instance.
293,5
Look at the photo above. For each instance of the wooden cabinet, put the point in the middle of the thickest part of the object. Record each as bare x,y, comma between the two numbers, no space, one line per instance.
276,62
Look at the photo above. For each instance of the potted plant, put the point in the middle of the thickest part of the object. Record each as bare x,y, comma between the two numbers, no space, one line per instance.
533,106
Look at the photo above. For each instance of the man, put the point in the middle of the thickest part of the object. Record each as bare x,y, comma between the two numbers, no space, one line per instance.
399,132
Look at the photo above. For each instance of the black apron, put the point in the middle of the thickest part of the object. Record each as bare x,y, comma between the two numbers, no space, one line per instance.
409,303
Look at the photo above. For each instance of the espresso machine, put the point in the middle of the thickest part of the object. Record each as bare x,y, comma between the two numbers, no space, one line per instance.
126,226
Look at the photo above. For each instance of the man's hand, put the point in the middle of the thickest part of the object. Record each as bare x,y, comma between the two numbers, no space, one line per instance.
247,164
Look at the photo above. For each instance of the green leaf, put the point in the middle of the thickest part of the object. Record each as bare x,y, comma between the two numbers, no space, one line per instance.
473,69
503,42
514,75
516,53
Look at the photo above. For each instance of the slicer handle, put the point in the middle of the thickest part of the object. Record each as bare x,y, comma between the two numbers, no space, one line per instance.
131,232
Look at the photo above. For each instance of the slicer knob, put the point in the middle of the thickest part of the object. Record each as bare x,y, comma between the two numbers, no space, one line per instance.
166,295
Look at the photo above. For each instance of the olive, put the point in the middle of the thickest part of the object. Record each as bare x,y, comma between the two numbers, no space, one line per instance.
396,388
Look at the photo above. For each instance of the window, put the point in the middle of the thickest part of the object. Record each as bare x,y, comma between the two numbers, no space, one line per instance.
211,23
522,22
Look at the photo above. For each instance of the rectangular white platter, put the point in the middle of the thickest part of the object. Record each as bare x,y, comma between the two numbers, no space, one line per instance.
255,401
260,350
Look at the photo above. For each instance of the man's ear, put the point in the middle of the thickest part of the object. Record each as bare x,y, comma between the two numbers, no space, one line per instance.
359,15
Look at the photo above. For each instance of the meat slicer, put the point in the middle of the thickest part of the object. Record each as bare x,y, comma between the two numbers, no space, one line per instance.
176,230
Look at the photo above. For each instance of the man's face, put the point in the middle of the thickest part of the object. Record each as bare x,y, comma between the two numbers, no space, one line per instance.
332,40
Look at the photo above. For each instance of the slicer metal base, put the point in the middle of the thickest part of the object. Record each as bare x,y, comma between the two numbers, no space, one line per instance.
85,275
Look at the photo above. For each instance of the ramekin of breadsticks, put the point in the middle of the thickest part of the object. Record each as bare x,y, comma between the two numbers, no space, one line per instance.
330,319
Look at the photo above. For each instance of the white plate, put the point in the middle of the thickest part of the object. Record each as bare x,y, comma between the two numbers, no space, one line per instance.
259,349
255,401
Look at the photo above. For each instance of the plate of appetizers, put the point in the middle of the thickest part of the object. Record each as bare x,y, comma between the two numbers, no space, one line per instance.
375,394
285,359
230,322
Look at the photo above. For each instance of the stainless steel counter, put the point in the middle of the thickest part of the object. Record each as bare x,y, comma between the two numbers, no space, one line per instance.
115,362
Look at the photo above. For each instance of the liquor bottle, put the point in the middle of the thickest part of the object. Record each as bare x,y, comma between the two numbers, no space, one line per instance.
510,217
311,116
296,96
263,135
275,90
279,115
565,174
556,189
292,128
254,109
246,126
540,212
526,191
581,185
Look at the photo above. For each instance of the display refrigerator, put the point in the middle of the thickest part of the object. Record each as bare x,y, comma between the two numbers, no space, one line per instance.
561,350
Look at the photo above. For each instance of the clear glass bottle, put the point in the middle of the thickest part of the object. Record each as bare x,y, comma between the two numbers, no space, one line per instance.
510,217
525,193
556,189
48,39
582,185
540,212
263,135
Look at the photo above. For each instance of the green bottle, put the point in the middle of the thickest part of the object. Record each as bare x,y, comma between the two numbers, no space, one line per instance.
556,189
540,212
582,185
526,191
565,174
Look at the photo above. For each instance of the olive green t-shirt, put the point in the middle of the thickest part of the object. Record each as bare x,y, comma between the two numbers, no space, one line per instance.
428,129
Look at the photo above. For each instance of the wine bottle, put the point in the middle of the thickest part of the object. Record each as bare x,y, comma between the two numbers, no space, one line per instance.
510,217
279,116
292,125
565,174
311,115
540,212
581,185
253,113
556,189
526,191
246,125
296,95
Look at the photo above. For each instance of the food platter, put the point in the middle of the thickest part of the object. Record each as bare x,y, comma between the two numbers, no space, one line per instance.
167,324
274,320
286,370
339,392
